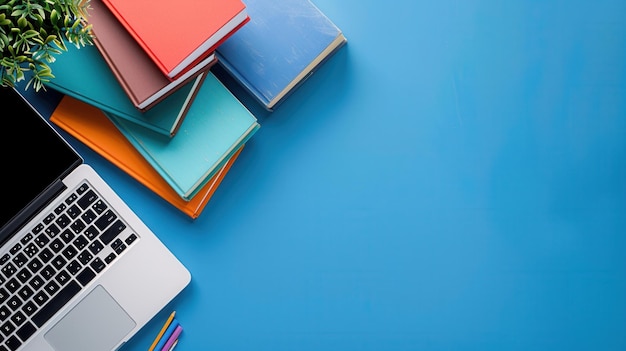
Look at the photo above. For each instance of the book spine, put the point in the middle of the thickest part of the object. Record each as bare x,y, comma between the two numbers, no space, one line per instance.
245,83
120,78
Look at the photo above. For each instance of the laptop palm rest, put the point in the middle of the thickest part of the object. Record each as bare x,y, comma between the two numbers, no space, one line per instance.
96,323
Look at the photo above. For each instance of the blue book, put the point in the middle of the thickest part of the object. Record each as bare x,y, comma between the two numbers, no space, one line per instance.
85,75
216,126
284,42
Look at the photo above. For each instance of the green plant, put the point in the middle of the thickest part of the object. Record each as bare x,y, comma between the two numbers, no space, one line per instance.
32,32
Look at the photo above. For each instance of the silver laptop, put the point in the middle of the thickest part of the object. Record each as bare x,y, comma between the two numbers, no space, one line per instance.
78,269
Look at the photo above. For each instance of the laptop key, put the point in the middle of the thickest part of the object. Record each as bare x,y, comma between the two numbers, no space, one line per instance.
78,226
82,188
13,343
86,276
52,287
85,257
99,206
52,230
56,245
15,249
71,199
131,239
74,267
4,295
89,216
14,303
41,298
7,328
62,278
28,237
74,211
36,283
67,236
120,249
108,235
20,259
59,262
29,308
56,303
24,275
95,247
46,255
80,242
18,318
63,221
4,259
26,331
39,227
48,272
97,265
110,258
107,218
42,240
12,285
31,249
60,209
9,270
4,313
87,199
91,232
25,292
49,218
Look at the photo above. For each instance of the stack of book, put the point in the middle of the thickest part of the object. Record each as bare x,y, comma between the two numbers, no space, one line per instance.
145,98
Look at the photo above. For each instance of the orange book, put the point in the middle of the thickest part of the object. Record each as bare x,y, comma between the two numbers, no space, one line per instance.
90,126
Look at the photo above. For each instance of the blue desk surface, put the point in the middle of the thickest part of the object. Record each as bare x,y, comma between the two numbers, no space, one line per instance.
453,179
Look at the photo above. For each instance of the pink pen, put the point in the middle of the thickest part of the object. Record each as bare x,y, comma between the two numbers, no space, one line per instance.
172,339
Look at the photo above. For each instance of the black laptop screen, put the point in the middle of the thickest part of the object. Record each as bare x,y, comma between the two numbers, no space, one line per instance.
33,155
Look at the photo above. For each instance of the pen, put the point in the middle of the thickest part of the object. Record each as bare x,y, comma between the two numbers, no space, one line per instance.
172,339
163,329
168,332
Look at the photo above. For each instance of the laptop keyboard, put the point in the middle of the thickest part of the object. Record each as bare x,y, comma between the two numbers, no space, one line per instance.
54,260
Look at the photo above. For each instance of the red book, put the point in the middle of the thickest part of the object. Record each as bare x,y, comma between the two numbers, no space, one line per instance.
139,76
178,41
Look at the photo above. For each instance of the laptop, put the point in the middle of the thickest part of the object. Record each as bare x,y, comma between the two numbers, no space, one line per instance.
79,270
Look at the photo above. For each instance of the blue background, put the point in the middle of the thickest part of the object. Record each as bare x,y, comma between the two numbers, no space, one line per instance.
453,179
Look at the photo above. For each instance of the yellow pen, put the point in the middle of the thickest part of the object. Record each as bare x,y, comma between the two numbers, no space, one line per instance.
163,329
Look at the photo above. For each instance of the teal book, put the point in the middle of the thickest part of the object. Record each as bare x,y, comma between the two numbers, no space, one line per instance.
85,75
216,126
282,45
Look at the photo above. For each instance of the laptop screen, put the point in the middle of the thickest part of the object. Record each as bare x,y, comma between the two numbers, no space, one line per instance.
34,156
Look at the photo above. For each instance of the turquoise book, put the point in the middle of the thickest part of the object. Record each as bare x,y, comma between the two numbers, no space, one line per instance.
216,126
85,75
282,45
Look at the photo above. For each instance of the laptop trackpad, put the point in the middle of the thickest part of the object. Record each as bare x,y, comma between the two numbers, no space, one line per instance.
96,323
